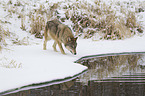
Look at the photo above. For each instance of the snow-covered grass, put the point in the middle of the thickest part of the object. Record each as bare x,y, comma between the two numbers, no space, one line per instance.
7,63
107,20
23,62
3,34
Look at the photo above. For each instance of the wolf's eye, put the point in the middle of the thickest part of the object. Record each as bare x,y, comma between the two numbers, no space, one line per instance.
72,46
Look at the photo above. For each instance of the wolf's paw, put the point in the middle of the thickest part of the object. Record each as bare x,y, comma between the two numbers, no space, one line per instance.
55,50
44,48
63,53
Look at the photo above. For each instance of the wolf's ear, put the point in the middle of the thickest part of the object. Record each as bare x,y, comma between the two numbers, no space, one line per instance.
68,39
76,38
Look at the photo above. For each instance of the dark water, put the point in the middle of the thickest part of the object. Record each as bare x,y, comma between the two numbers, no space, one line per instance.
122,75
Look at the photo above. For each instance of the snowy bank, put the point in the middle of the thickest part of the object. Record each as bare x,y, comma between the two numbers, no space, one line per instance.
134,44
37,66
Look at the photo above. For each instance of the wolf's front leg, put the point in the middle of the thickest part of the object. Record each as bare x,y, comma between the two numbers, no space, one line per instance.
60,47
54,46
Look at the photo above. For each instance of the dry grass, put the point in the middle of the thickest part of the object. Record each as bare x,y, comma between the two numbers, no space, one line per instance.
105,22
97,21
4,33
37,25
23,26
89,21
23,41
6,63
38,19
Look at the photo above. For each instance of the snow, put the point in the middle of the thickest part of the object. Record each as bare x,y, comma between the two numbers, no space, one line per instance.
22,65
134,44
37,66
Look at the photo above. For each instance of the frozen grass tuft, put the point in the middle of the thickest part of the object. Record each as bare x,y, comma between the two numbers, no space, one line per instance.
37,25
4,33
6,63
23,41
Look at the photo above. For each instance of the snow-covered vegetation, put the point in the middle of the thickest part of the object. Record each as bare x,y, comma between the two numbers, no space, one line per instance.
88,19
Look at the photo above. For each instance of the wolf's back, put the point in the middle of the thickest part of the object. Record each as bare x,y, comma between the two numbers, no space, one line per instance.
52,26
58,31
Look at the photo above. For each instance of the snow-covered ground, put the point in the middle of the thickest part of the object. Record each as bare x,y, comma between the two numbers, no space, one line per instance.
27,64
33,65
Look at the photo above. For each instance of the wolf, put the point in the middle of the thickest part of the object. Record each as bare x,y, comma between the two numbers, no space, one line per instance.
61,34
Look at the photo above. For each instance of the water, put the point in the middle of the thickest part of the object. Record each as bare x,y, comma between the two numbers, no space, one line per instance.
121,75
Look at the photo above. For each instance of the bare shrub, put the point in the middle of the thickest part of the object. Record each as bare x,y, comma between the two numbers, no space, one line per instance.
37,25
39,17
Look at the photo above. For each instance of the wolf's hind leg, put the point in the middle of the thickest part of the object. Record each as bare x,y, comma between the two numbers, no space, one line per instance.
44,44
60,47
54,46
45,40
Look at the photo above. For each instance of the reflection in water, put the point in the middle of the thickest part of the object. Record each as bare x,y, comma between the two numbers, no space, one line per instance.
122,75
111,66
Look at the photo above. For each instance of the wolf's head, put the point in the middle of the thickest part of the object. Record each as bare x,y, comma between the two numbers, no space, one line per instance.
71,45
